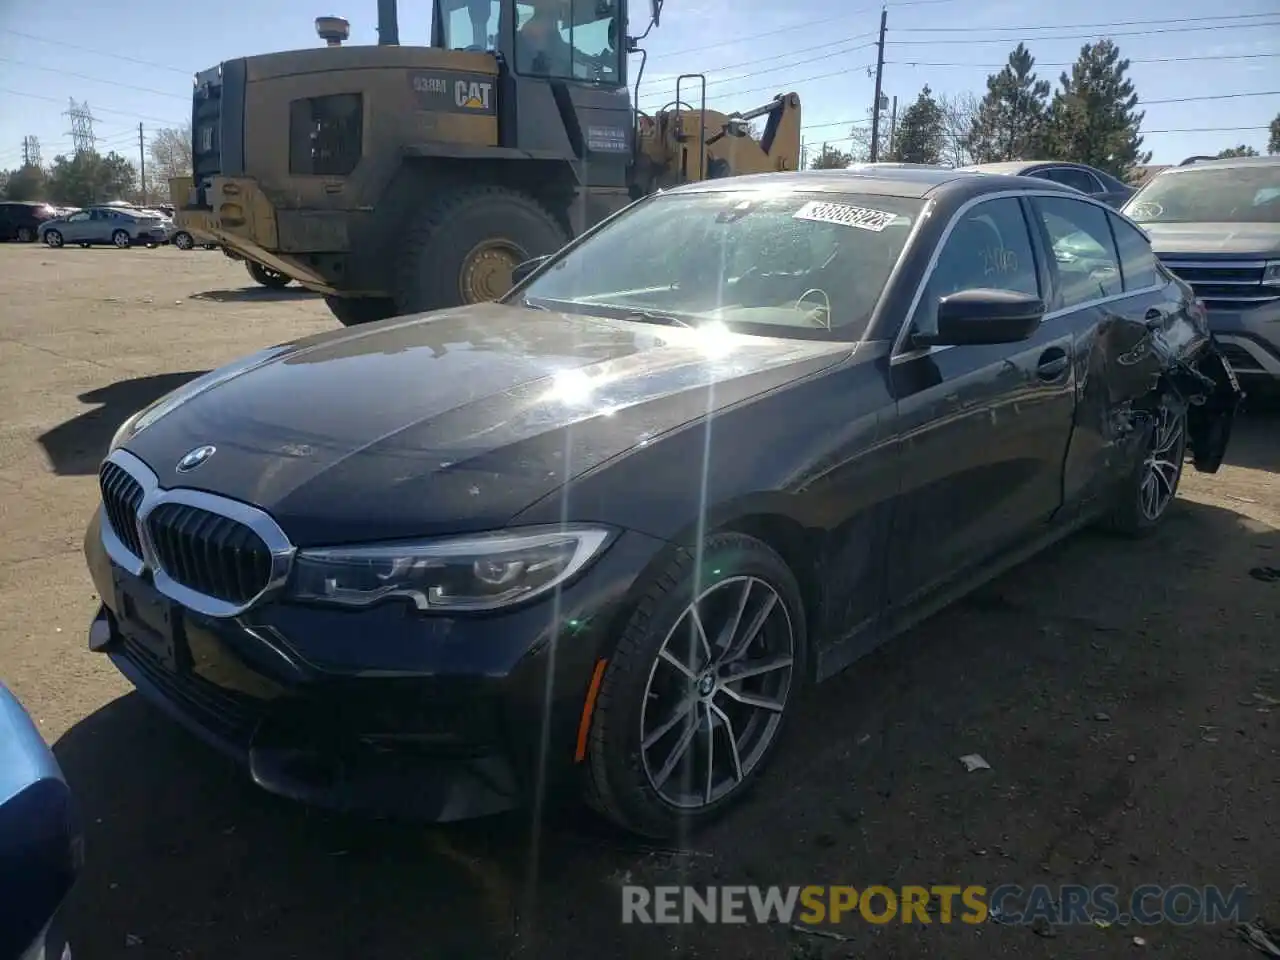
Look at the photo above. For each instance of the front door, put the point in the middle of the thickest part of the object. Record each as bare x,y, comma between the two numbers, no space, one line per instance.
983,429
76,227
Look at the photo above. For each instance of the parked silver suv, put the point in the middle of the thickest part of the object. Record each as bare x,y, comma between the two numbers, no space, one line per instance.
118,226
1216,224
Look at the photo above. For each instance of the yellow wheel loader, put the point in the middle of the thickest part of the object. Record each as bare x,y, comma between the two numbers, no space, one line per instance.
396,179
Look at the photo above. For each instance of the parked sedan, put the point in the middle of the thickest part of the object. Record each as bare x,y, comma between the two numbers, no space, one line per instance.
118,226
601,534
1089,180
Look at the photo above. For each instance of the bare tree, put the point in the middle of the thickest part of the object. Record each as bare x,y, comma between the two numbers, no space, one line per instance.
860,138
958,111
168,156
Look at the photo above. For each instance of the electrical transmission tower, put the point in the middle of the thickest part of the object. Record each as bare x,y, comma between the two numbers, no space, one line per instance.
82,138
31,151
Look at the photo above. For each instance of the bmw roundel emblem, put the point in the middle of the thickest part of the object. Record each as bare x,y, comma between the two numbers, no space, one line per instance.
196,457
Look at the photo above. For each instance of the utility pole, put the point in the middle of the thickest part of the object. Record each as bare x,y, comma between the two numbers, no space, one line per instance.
893,125
875,107
142,163
82,138
31,151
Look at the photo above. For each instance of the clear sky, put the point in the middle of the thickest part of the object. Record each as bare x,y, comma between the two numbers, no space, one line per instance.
132,61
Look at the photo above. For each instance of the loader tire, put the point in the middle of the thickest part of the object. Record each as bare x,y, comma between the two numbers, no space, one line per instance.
353,311
272,279
462,246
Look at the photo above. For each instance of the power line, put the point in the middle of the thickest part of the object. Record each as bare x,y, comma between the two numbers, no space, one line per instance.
189,74
670,85
1088,36
1071,63
92,79
777,87
1091,26
119,113
808,24
82,138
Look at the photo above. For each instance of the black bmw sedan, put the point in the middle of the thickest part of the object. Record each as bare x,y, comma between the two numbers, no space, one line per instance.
600,535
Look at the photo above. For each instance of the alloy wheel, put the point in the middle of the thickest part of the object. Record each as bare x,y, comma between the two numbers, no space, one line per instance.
716,692
53,238
25,235
120,239
183,241
1163,464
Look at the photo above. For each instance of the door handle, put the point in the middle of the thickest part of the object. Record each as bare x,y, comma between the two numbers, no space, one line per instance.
1053,364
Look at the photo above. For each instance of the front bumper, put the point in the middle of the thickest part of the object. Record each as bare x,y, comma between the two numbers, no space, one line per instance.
382,711
1250,339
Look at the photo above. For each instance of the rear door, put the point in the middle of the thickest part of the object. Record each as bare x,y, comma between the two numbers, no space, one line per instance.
983,429
1111,291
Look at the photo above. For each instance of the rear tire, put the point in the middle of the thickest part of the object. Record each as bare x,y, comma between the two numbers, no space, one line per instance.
353,311
462,247
1143,501
272,279
26,235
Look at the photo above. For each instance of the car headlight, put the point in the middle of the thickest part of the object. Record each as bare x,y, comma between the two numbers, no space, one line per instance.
1271,272
176,398
470,573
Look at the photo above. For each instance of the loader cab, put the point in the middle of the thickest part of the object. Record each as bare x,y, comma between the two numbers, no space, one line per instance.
571,41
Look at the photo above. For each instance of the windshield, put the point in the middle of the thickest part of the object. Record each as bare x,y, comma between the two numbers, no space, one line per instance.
580,41
774,262
1243,194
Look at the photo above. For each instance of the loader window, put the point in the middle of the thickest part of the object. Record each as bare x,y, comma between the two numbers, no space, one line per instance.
781,263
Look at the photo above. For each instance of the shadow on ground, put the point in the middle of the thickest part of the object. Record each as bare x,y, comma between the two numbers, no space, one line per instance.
77,446
256,295
1114,687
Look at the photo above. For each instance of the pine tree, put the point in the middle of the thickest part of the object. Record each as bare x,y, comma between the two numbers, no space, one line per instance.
1241,151
1273,142
1093,118
1010,123
830,159
921,134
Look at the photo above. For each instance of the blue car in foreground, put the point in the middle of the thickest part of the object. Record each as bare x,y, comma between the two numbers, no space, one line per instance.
41,846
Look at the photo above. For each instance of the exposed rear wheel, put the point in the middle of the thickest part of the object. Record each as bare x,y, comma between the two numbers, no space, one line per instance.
1145,498
266,276
120,238
694,697
25,235
351,312
462,248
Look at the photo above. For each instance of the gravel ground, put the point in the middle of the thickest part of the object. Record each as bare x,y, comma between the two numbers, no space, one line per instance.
1117,689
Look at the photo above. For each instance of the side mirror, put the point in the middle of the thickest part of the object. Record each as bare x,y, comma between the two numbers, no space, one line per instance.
521,271
984,316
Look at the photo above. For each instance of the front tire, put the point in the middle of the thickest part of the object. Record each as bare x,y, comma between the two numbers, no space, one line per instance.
462,248
353,311
183,240
694,697
272,279
120,239
1144,499
53,238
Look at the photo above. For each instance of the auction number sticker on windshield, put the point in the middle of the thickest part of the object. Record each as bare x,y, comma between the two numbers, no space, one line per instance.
845,214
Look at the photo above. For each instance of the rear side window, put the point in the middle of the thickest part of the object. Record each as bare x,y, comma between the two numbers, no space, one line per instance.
1071,177
989,246
1084,252
1137,262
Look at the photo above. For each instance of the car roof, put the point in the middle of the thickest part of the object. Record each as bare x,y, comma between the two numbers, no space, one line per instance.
1224,163
913,181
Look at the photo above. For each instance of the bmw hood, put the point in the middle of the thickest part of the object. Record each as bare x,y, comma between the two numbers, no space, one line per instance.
448,422
1248,240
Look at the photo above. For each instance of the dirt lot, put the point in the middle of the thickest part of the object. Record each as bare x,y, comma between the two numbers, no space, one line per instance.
1113,687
